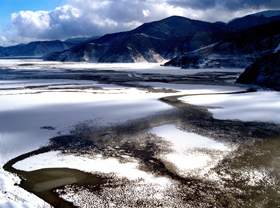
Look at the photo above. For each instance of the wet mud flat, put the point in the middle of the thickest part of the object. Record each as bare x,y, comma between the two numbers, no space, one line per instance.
122,78
247,177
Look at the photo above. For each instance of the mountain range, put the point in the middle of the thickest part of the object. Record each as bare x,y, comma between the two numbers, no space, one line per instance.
185,42
38,48
151,42
41,48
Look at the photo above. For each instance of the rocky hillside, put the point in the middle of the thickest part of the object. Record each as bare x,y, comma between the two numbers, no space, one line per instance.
264,72
38,48
239,50
151,42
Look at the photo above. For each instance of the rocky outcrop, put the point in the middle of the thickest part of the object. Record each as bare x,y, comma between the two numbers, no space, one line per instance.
264,72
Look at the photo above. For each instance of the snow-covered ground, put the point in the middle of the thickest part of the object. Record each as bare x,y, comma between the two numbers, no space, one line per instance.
34,110
24,115
253,106
190,153
124,67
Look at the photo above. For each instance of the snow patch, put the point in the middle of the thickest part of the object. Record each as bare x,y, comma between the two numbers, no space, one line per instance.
277,49
191,154
256,106
268,14
22,116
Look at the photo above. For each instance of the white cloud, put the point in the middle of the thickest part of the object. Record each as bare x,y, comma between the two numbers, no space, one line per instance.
146,12
30,23
3,40
98,17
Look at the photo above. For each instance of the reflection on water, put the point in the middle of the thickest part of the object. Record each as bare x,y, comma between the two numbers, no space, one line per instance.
43,182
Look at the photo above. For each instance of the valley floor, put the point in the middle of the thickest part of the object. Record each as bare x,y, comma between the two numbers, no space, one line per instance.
135,135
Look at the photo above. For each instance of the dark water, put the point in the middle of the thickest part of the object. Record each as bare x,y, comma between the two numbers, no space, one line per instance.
43,182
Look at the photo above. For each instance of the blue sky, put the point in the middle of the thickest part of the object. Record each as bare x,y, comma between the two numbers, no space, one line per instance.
23,21
11,6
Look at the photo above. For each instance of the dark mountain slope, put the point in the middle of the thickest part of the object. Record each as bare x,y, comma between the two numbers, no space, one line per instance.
179,26
134,48
238,50
81,39
248,21
151,42
264,72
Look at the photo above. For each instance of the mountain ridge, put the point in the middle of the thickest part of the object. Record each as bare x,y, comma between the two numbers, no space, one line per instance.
255,19
239,50
166,39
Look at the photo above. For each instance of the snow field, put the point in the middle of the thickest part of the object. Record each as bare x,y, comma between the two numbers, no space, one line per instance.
24,116
256,106
53,66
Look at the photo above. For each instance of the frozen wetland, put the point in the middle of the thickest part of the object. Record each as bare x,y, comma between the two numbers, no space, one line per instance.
135,135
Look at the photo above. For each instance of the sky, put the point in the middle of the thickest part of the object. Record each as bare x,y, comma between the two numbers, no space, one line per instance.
23,21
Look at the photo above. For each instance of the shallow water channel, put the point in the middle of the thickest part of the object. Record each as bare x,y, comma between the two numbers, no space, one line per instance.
43,182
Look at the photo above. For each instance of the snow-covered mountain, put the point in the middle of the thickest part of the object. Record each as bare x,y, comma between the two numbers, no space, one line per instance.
151,42
38,48
268,14
239,50
248,21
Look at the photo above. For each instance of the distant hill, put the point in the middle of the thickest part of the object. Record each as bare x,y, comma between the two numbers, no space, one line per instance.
264,72
260,18
38,48
239,50
151,42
